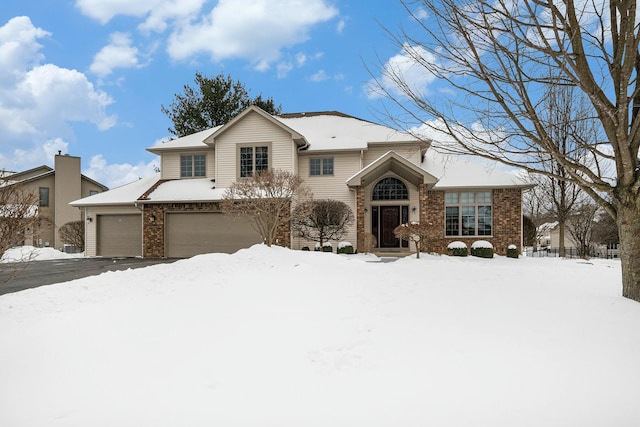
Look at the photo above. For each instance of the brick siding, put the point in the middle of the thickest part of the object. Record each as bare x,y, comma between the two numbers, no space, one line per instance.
507,221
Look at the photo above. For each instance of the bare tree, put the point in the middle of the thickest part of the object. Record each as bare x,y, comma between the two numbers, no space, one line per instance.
73,234
580,224
569,123
415,232
267,198
497,60
18,215
322,220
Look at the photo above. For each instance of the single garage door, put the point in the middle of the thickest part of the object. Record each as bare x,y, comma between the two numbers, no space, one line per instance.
191,233
119,235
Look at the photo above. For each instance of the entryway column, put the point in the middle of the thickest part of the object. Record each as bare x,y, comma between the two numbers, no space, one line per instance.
360,218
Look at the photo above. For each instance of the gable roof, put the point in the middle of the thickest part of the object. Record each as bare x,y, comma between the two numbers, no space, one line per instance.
315,131
392,161
297,137
45,171
193,141
124,195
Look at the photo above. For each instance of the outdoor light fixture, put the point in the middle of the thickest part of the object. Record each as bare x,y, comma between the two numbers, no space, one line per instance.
413,209
366,210
89,219
152,218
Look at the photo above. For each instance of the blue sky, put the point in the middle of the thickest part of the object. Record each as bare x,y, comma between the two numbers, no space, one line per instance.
88,77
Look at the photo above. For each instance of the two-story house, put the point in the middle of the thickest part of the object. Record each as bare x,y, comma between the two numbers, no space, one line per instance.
386,177
55,189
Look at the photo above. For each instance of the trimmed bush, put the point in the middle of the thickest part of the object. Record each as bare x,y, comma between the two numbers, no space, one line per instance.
345,248
512,251
482,249
306,248
326,247
457,249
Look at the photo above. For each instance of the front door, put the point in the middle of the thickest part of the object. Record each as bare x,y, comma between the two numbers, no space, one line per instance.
385,219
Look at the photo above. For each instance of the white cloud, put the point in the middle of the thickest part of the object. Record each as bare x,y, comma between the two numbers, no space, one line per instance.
319,76
249,29
301,59
118,54
283,69
403,66
38,101
19,49
156,12
341,24
115,175
21,159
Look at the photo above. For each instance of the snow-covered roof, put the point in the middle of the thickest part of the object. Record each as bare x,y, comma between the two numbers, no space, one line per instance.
323,131
125,194
195,140
336,131
184,190
547,227
454,171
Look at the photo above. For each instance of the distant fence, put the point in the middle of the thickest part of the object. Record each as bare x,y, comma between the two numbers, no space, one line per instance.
597,252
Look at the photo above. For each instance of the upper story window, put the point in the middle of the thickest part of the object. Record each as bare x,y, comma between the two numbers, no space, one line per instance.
93,192
468,213
318,166
390,189
44,197
253,160
193,165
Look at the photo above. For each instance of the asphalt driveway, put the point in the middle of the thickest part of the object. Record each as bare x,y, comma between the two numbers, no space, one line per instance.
16,277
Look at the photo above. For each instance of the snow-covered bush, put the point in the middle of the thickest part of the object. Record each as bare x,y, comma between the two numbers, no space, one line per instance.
482,249
345,248
457,248
326,247
512,251
305,248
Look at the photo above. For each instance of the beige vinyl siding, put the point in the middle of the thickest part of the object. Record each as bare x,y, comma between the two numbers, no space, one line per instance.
91,230
46,231
333,187
410,152
170,163
87,186
254,130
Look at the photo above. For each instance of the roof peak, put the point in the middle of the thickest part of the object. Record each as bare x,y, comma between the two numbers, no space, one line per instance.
317,113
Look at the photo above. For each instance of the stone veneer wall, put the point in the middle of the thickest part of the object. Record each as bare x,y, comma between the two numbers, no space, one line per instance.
360,244
153,225
507,221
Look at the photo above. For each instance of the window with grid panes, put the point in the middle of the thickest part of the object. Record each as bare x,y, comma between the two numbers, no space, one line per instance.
192,165
253,160
468,213
321,166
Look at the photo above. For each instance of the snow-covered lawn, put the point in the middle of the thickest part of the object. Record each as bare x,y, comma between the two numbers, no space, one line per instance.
273,337
30,253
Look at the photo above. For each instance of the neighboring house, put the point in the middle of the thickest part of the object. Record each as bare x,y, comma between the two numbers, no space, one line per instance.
386,177
55,189
549,237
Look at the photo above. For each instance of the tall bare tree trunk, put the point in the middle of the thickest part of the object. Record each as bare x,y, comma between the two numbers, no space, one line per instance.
561,249
629,230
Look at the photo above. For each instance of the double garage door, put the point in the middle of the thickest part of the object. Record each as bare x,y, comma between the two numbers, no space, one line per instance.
191,233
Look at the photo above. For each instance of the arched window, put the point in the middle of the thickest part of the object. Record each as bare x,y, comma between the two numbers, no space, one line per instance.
390,189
